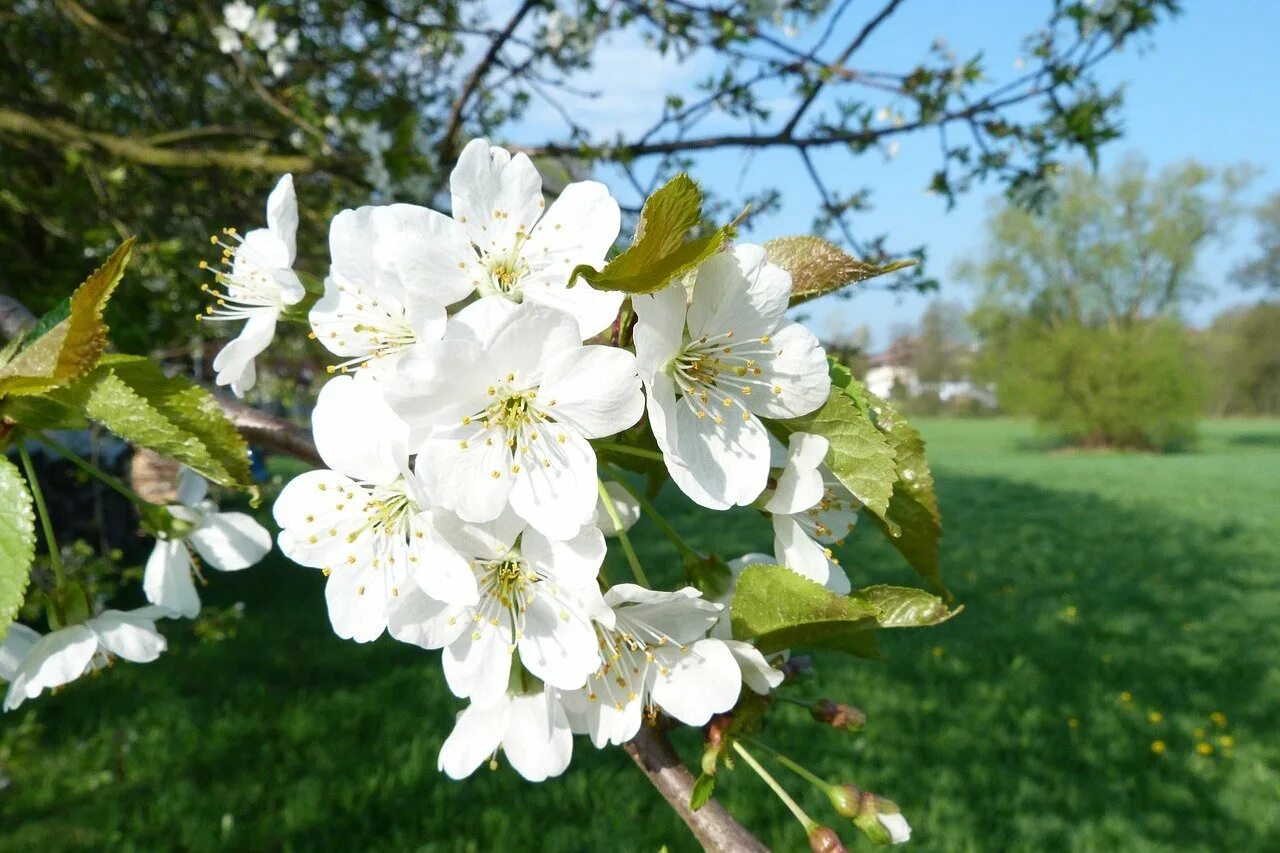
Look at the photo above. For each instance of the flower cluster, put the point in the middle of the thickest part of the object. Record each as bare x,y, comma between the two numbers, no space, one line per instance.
462,506
243,25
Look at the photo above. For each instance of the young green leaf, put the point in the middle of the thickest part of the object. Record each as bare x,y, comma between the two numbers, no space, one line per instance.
702,791
779,609
17,542
133,398
912,522
659,251
859,454
818,267
64,346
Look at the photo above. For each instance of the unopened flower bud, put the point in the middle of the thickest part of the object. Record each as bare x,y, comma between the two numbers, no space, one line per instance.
838,715
716,732
846,800
882,822
823,839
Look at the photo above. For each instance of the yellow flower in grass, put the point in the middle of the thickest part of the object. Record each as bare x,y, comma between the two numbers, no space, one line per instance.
1199,733
1219,719
1073,723
1226,741
1203,748
1126,697
1155,717
1158,747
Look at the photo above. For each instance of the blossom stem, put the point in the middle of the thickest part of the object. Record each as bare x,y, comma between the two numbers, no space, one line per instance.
652,512
807,822
632,559
55,556
611,447
89,468
793,766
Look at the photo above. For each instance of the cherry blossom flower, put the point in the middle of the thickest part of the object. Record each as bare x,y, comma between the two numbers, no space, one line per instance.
509,400
523,253
238,16
366,520
810,510
530,728
32,663
715,364
392,274
228,541
655,654
256,284
537,596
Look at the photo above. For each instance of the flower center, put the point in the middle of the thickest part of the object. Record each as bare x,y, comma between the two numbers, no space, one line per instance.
238,295
515,419
379,330
506,276
716,372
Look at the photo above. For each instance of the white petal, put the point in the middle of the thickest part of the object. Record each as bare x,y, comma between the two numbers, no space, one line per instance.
573,562
129,635
625,506
804,556
555,486
526,343
57,658
798,368
167,580
357,433
488,541
415,617
262,253
579,228
537,740
15,646
477,665
438,568
718,465
230,541
756,671
558,644
351,242
495,196
428,252
659,332
735,291
596,389
683,615
359,597
282,216
235,359
899,829
476,734
480,320
704,681
318,512
474,481
192,488
800,485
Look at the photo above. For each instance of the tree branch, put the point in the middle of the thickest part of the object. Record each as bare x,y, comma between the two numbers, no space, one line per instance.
270,432
139,150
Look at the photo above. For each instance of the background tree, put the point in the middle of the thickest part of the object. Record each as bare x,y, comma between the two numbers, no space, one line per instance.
1242,349
1263,270
1074,297
162,120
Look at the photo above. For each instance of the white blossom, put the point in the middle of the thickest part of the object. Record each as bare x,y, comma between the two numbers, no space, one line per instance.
366,520
228,541
257,283
655,654
228,39
521,253
899,829
716,364
810,510
537,596
391,275
238,16
510,399
530,728
32,663
263,33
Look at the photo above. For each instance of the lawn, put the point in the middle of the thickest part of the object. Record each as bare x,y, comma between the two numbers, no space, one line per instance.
1115,604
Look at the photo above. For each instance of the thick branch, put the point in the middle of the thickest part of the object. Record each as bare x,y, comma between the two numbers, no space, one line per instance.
270,432
712,824
140,150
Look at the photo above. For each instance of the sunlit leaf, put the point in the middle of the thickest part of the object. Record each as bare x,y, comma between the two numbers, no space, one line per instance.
17,541
819,267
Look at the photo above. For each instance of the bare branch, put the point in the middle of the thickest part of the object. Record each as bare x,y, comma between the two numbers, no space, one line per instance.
271,432
139,150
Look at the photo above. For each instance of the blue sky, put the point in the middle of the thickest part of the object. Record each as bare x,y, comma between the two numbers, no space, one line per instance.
1202,88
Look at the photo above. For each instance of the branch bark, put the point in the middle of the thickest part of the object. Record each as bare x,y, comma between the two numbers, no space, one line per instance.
140,150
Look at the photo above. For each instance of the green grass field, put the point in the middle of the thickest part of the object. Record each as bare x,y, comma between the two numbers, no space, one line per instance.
1112,601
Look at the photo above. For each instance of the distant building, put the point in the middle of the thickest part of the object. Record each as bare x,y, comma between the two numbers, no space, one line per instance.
891,376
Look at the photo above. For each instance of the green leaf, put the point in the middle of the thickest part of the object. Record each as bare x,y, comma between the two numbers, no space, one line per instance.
819,267
859,454
912,522
133,398
778,609
659,252
17,542
65,346
702,791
